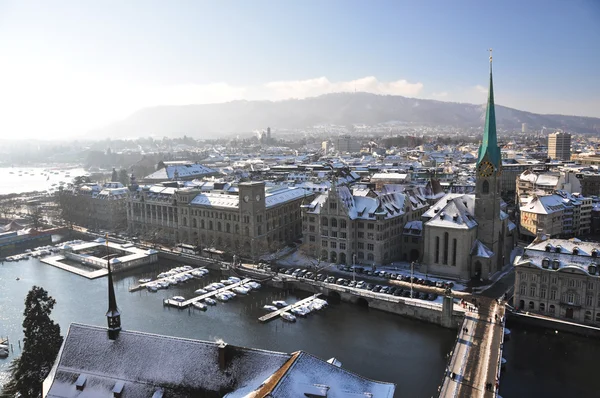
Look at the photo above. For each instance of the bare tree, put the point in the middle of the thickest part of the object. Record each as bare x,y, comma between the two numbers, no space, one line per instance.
312,252
37,218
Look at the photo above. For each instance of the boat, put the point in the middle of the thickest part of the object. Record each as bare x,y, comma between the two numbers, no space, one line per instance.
209,301
178,298
253,285
300,311
234,279
270,307
222,297
152,288
280,303
226,282
199,305
288,317
210,288
506,334
241,290
144,280
201,291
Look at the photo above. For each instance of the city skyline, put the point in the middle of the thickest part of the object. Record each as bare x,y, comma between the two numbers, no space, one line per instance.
72,67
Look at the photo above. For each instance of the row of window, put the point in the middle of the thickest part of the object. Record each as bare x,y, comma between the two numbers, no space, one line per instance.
570,282
446,250
552,310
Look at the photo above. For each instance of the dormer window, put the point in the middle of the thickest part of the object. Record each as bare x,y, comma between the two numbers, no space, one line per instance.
545,263
548,247
575,251
592,269
555,264
80,382
558,249
595,253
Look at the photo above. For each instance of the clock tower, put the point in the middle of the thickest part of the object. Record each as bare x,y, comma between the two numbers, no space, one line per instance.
253,215
487,195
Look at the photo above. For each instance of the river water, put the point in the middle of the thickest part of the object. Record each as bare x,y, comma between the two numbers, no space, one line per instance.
372,343
27,179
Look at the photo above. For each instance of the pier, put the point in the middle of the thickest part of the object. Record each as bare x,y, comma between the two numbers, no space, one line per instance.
186,303
56,262
274,314
474,368
143,285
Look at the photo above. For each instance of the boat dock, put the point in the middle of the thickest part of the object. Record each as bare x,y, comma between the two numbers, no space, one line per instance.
186,303
143,285
274,314
56,262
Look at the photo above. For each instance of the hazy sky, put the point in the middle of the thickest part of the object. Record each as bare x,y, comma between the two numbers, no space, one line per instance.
70,66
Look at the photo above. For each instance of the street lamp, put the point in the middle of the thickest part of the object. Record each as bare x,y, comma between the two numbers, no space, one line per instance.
412,266
354,267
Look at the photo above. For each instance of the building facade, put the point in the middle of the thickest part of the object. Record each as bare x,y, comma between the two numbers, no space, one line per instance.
95,206
340,227
559,278
248,221
559,146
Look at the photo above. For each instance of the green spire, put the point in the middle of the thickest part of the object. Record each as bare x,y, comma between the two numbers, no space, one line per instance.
489,145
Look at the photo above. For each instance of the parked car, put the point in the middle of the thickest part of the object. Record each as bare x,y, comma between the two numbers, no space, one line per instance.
302,273
340,281
392,290
370,286
406,293
423,295
330,279
384,289
432,296
309,275
352,284
377,288
289,272
361,284
393,276
398,292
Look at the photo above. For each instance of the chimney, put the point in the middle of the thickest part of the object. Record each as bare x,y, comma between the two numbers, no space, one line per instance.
222,356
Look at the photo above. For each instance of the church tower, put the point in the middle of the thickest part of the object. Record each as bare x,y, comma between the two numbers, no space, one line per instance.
113,316
487,193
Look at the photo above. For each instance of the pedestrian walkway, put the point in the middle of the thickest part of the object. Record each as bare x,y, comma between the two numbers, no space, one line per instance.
56,262
474,366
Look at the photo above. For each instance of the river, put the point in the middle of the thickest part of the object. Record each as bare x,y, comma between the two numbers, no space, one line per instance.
372,343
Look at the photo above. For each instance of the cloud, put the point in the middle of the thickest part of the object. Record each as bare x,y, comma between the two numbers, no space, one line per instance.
322,85
481,89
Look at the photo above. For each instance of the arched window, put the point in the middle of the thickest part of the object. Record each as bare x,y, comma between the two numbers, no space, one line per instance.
531,305
437,249
202,224
194,223
485,188
542,307
324,221
334,222
210,225
343,224
588,316
370,256
219,226
228,228
446,247
185,221
552,309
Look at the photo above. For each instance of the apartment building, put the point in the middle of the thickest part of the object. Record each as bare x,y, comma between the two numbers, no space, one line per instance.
559,146
559,278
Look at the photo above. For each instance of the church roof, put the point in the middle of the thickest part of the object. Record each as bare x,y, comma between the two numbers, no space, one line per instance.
480,250
489,144
141,364
452,211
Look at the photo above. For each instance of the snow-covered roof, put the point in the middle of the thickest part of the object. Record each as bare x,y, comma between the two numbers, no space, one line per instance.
544,204
144,363
562,254
183,171
452,211
480,250
283,195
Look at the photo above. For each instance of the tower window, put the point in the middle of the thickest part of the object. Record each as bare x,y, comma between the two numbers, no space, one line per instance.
485,188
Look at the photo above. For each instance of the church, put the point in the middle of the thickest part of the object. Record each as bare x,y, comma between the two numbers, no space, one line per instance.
469,236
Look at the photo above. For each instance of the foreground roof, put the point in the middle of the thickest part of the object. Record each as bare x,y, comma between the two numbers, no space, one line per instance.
142,364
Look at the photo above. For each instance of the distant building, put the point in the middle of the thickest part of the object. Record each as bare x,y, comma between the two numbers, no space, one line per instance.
532,182
590,183
559,146
524,128
346,143
559,278
381,179
95,206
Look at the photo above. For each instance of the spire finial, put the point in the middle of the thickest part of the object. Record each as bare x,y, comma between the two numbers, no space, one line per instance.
490,50
113,315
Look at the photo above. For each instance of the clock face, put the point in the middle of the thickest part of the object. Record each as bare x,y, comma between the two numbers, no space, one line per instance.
258,198
246,198
486,169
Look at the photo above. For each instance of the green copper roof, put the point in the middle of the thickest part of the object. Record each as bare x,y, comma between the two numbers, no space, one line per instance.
489,145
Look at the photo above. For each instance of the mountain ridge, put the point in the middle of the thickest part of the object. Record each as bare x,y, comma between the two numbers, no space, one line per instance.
243,116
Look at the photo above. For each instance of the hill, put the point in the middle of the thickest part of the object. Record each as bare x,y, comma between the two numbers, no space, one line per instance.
203,121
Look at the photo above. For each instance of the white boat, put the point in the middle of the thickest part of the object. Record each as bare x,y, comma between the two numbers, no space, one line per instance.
300,311
199,305
288,317
234,279
210,301
178,298
201,291
210,288
144,280
187,268
222,297
280,303
152,288
163,285
253,285
241,290
270,307
218,285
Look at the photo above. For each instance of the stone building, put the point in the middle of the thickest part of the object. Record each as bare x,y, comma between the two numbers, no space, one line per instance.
469,235
248,221
178,171
559,278
346,228
95,206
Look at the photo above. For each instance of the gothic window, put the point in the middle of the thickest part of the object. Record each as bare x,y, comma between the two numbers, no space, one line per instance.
334,222
370,256
454,244
446,247
343,224
485,188
194,225
437,249
324,221
202,224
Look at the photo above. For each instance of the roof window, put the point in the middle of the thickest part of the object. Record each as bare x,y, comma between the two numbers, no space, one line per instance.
80,382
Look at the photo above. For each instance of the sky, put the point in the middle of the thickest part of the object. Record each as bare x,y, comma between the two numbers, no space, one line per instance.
68,67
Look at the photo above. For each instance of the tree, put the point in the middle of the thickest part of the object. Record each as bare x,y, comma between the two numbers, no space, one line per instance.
312,252
115,176
123,177
37,218
41,344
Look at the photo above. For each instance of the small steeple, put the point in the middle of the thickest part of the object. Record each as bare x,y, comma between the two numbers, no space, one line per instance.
113,316
489,144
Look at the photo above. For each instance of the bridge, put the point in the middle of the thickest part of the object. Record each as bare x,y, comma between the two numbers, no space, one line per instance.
474,366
